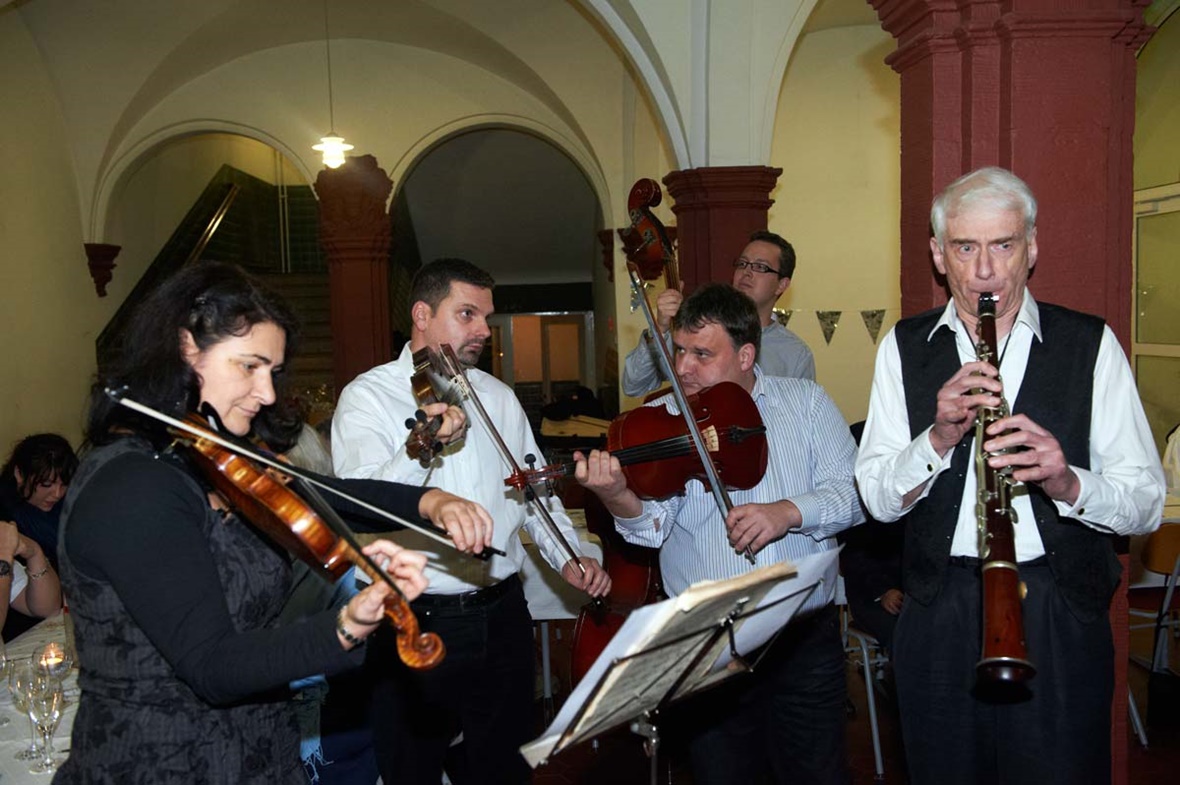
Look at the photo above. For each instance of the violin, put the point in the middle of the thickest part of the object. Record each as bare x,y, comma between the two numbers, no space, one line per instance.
306,526
658,457
422,442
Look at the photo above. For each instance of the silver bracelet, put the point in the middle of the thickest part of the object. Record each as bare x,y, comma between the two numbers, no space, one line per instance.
33,576
344,633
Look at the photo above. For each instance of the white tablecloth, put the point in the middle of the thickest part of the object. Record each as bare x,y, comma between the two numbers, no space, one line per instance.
15,735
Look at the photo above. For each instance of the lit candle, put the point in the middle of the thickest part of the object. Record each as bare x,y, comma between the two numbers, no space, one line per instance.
52,656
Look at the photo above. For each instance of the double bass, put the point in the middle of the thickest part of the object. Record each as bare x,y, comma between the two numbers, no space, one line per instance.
718,425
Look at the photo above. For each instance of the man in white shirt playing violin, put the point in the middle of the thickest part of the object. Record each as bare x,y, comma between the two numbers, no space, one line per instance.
484,687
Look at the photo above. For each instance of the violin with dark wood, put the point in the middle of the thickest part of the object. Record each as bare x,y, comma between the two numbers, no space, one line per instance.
300,522
658,457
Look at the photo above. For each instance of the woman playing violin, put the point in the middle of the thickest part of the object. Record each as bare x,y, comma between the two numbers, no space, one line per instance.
174,599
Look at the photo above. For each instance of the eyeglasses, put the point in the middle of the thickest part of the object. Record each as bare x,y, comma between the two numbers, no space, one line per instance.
758,267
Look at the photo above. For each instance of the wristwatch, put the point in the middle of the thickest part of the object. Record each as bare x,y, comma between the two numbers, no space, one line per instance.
5,568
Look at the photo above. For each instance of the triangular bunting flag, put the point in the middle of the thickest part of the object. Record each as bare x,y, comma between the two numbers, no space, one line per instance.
873,320
782,315
827,322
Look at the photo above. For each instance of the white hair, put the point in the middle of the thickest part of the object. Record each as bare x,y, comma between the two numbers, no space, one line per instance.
990,186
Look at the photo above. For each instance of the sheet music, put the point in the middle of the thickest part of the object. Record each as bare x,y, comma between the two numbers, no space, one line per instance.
657,643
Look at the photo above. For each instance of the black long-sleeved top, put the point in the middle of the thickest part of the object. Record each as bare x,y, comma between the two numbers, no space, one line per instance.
175,608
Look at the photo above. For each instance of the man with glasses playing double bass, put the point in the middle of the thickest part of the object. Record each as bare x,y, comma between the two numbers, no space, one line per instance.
762,272
788,716
1084,468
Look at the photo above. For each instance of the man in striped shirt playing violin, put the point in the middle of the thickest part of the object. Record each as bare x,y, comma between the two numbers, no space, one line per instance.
805,498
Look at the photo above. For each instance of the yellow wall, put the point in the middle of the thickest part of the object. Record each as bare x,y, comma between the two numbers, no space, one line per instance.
1157,237
49,312
1157,108
838,199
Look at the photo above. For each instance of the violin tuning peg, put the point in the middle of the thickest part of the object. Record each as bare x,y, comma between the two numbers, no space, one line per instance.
411,422
421,416
531,460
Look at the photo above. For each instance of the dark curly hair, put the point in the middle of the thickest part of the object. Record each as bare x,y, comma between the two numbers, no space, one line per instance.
40,458
213,301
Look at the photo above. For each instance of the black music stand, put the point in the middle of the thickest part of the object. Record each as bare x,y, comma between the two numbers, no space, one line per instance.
676,648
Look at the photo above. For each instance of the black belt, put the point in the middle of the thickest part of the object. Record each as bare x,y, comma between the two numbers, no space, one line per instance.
469,599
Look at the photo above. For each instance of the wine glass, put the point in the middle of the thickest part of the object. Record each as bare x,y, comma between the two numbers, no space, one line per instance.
45,710
22,679
4,720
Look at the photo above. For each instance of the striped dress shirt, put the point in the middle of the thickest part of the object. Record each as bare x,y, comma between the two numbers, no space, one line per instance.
811,462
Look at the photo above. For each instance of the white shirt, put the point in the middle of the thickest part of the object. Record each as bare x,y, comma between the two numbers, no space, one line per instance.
368,441
1122,492
810,463
20,579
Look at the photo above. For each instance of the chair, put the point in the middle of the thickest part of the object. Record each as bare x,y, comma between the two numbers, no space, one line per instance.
1161,555
866,653
1160,604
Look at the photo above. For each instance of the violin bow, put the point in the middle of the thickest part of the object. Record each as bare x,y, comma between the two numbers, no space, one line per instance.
450,367
720,495
284,468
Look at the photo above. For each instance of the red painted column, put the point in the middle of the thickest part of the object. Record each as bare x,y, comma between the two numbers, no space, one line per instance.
355,233
716,209
1045,88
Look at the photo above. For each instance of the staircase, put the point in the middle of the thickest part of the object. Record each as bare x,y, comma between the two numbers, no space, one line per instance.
311,369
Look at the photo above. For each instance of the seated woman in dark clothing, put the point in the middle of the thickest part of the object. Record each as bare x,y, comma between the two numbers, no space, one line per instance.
32,484
175,599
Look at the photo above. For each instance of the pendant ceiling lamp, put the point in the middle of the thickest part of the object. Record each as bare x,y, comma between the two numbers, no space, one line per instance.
333,145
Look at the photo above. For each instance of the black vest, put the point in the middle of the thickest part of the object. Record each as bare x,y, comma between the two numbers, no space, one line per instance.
1057,394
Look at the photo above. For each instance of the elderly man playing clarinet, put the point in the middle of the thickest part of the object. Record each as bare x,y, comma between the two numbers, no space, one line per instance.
1083,469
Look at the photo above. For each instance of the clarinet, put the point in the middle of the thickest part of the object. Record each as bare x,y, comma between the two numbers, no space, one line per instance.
1004,659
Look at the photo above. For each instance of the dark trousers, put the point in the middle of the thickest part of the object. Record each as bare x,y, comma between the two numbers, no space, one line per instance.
1057,730
783,723
868,615
345,733
483,688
